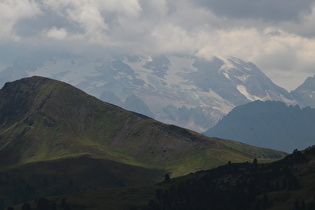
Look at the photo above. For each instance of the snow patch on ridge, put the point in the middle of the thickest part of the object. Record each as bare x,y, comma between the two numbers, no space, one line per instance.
242,90
247,68
228,65
226,75
287,101
242,78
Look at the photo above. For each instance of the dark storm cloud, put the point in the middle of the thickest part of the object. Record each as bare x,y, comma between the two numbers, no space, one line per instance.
275,10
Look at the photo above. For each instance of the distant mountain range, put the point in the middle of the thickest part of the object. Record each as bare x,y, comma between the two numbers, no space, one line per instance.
56,139
268,124
176,89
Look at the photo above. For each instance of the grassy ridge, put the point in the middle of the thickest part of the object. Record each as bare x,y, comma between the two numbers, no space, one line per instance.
46,122
59,121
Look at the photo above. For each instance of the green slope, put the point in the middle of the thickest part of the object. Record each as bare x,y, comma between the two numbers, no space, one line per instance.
52,131
44,119
281,185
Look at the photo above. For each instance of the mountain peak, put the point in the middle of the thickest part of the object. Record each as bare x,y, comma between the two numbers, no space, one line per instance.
305,93
309,84
184,90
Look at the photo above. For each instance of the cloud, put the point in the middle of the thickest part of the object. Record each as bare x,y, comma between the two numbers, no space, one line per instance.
56,33
303,27
277,10
277,35
11,11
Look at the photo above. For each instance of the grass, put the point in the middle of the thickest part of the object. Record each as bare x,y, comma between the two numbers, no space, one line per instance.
68,124
70,175
111,199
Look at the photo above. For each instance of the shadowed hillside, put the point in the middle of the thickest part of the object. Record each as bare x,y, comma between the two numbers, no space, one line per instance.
287,184
268,124
47,126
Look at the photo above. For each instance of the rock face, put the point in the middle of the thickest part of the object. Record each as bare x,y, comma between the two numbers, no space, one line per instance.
177,89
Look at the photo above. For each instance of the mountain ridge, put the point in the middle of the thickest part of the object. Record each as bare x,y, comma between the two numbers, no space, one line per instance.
56,139
268,124
183,90
63,121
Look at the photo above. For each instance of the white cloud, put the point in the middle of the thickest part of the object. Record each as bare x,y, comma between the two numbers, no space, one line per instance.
12,11
279,54
56,33
129,8
95,19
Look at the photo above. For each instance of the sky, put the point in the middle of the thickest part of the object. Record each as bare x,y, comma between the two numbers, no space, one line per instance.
276,35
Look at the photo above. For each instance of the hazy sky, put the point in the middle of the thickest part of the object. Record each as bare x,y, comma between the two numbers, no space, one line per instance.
277,35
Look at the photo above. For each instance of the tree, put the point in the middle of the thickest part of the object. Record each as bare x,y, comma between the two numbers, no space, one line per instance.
43,204
167,178
255,161
53,206
65,205
296,205
26,206
265,201
1,204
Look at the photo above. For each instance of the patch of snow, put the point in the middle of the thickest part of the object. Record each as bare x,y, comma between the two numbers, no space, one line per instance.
242,78
226,75
240,62
228,65
149,59
288,101
243,91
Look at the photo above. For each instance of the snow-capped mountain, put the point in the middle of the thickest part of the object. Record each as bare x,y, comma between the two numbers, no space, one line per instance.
183,90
